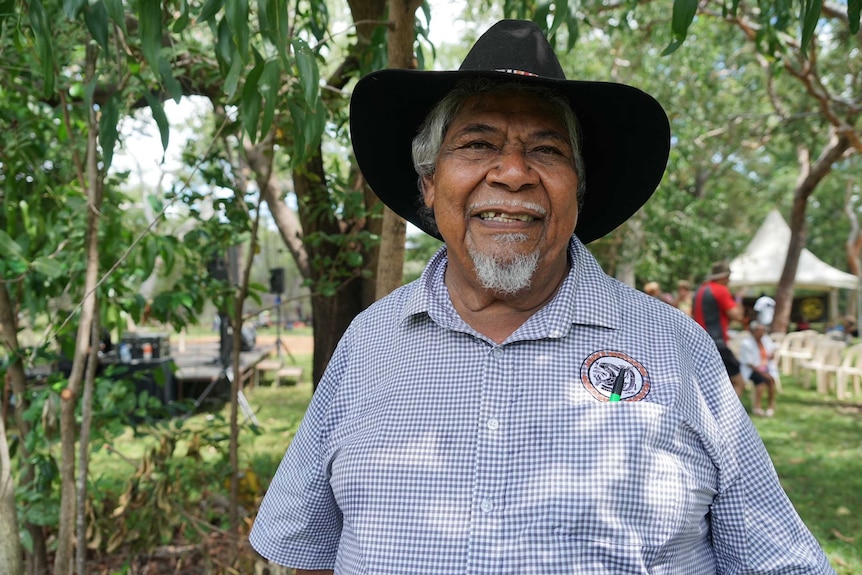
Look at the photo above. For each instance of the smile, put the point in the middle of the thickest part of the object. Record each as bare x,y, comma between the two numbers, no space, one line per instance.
501,217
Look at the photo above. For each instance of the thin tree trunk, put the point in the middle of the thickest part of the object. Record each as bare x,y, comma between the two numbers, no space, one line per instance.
63,564
84,444
10,544
852,247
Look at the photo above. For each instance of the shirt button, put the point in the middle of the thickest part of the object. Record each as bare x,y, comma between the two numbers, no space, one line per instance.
486,506
493,424
498,352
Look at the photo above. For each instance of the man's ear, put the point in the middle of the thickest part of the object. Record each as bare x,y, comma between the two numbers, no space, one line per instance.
427,186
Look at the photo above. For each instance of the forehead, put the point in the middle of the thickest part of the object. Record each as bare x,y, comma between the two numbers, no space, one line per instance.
524,109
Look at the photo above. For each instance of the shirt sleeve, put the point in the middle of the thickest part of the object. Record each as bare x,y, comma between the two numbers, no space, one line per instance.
298,523
755,526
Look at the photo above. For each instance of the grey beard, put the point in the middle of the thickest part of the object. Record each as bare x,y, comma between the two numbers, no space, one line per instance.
505,277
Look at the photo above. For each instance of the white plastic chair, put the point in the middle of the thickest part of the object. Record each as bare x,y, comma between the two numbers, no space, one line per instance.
825,360
851,367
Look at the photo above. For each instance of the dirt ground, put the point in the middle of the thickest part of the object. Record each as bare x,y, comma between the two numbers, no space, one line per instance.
296,344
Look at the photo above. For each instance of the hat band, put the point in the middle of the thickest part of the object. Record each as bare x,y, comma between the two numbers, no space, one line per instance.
517,72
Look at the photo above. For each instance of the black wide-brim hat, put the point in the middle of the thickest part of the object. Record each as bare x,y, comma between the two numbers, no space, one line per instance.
625,135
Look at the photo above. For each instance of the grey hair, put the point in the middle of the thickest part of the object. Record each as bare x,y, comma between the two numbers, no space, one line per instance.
429,139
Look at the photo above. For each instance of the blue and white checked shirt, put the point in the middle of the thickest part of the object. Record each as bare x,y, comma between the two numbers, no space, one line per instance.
429,449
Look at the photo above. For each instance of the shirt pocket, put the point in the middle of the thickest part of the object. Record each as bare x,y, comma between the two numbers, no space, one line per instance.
625,477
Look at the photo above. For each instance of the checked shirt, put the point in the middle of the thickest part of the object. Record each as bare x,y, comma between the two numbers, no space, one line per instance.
429,449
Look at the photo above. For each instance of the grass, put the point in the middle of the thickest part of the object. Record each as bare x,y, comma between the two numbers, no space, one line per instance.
815,443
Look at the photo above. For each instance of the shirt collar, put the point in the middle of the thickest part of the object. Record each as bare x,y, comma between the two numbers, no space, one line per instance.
587,297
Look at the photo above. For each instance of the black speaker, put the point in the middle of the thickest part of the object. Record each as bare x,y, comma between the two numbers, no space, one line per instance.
276,280
217,268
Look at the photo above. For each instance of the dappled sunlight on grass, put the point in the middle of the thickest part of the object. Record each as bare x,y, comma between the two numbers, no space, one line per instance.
815,443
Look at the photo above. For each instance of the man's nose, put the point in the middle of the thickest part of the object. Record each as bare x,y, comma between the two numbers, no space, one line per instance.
513,169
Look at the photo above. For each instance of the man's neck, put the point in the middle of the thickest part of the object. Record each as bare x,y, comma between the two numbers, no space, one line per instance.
495,315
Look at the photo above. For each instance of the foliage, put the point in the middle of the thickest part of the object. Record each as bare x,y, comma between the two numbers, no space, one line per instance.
167,494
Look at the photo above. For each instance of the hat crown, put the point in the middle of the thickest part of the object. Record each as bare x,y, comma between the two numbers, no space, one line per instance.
517,47
720,269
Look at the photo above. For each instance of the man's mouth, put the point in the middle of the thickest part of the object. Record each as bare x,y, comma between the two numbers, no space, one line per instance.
501,217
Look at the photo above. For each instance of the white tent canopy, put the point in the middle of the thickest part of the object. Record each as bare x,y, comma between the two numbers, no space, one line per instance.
762,262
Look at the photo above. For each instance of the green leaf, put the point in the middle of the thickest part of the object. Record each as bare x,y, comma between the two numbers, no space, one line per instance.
72,7
161,119
251,100
9,247
854,8
209,10
309,75
110,116
150,22
810,16
224,43
44,45
269,84
96,18
173,87
236,14
683,15
117,13
182,21
47,266
231,81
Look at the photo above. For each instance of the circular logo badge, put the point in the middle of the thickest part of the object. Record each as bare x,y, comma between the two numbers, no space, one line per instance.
601,369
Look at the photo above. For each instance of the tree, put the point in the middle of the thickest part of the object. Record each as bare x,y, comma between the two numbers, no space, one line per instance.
108,58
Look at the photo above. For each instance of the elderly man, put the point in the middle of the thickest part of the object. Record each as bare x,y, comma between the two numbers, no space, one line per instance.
515,410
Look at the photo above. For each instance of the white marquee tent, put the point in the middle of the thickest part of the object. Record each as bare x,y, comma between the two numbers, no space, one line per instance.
762,262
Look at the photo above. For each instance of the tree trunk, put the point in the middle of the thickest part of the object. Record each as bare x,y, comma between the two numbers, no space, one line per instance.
390,261
10,544
63,564
333,313
84,444
852,247
809,177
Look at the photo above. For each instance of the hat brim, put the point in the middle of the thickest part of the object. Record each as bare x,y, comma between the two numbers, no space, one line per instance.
625,140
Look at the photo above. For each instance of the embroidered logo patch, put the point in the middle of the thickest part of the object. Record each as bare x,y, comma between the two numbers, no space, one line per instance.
601,368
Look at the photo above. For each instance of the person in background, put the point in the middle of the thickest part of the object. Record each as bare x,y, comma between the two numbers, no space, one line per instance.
515,409
757,362
683,296
764,307
714,307
654,289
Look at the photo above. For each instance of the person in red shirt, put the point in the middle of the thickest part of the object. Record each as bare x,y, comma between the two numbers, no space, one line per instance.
714,307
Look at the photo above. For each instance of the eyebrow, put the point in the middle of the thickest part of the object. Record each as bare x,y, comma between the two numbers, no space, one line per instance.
480,128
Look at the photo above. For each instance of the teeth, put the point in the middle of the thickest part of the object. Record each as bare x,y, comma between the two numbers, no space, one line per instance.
500,217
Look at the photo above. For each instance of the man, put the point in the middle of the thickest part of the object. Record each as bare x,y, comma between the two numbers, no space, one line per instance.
515,410
757,363
714,307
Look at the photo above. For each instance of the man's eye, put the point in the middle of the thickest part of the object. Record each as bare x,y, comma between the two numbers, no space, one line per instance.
549,150
477,145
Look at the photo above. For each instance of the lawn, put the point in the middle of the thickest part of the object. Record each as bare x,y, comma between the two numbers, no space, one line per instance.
815,443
